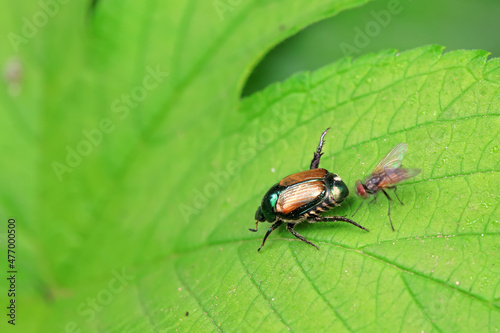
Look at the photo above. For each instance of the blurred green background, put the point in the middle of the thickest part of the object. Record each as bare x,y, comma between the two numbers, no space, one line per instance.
455,24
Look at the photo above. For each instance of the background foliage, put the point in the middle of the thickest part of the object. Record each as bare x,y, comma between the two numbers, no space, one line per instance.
148,230
418,23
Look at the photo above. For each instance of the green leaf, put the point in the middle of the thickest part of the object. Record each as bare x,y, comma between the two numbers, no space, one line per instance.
149,231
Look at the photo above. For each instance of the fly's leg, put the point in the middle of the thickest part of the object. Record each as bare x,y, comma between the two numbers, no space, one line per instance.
273,227
361,204
395,188
318,153
333,219
290,226
389,211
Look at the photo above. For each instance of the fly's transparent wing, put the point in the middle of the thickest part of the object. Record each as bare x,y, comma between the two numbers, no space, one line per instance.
392,176
393,159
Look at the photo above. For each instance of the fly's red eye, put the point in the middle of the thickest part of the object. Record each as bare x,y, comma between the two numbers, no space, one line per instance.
360,190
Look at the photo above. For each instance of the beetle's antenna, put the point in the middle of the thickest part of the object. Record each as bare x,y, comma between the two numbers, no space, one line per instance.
318,153
256,227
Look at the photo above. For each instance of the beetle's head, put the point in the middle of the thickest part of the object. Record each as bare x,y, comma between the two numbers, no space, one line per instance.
259,216
266,212
361,189
340,190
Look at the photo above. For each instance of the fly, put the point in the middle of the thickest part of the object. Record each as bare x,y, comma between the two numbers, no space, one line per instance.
386,175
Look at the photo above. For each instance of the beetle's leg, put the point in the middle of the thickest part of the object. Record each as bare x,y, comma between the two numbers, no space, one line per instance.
333,219
273,227
361,204
290,226
318,153
389,210
256,227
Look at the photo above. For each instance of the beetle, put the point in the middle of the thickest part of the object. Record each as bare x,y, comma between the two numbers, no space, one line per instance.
303,196
386,175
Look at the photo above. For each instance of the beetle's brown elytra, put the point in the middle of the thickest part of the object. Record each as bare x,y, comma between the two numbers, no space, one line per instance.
297,195
303,176
303,196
